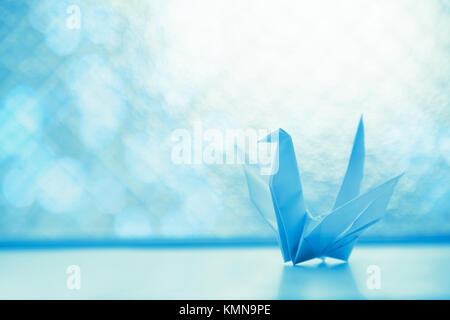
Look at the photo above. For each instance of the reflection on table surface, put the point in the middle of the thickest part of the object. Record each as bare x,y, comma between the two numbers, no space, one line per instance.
406,272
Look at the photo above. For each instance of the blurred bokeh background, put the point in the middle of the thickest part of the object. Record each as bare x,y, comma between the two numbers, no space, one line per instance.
86,113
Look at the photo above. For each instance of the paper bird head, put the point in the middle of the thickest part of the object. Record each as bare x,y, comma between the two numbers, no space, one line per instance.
279,199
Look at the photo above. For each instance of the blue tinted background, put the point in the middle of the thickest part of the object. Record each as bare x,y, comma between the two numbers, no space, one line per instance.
86,115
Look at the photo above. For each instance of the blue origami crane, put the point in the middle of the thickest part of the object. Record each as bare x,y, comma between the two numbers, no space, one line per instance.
279,199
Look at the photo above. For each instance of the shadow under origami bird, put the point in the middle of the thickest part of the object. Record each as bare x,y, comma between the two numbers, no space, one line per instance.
323,281
279,199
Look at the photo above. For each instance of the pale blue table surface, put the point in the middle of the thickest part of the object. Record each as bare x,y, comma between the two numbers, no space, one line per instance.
407,272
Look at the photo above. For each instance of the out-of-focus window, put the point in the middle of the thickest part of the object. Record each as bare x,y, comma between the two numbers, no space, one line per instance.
91,92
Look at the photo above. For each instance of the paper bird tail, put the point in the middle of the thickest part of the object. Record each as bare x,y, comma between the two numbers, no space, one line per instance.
336,234
351,183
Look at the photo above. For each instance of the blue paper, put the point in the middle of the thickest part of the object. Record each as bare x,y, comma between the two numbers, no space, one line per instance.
279,199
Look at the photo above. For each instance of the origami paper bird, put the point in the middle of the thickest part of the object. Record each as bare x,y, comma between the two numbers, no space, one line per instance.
279,199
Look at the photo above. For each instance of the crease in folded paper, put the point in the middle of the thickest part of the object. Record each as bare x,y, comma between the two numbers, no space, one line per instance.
279,199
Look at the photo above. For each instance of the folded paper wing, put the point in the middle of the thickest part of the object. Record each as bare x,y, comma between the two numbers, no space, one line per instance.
279,199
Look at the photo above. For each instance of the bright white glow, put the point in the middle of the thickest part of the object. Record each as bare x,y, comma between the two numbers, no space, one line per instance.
312,68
